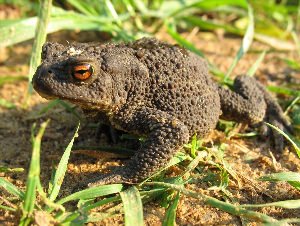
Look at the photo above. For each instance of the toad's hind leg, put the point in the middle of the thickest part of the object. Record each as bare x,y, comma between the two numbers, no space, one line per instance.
245,103
165,135
250,102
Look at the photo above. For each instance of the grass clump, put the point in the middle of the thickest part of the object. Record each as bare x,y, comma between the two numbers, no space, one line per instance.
35,202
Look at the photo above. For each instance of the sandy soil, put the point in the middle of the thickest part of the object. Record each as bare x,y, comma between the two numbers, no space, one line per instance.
249,158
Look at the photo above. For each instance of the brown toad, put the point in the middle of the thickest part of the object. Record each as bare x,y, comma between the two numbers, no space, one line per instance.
149,88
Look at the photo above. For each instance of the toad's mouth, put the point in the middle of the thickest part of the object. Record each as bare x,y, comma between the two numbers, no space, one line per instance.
42,90
84,104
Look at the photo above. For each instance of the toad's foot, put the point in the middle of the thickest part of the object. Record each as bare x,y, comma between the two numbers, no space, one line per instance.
115,177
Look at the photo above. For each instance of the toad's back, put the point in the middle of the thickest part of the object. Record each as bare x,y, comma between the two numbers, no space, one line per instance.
178,83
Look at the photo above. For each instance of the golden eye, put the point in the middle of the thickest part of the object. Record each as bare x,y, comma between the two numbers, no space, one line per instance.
82,71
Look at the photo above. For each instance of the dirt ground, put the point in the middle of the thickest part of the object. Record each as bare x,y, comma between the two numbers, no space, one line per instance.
250,158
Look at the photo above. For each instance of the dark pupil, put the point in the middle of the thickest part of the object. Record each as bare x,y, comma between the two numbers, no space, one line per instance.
81,71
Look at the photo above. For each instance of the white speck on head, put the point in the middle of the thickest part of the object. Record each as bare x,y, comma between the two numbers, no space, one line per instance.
72,51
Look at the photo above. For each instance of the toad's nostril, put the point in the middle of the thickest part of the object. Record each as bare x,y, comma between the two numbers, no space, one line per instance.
50,71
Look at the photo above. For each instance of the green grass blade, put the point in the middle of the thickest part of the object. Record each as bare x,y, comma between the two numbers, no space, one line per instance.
33,175
49,105
284,90
24,29
297,149
182,41
82,7
173,9
76,216
17,31
54,186
212,25
292,105
131,10
8,208
12,189
152,194
10,79
101,203
247,41
295,184
43,196
98,217
92,193
133,207
40,38
140,5
274,42
295,116
214,4
4,169
7,104
292,63
194,163
170,216
290,177
179,157
227,207
297,25
255,66
287,204
194,145
69,108
296,40
283,222
113,12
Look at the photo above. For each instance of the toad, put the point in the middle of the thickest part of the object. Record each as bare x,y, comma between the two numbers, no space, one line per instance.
153,89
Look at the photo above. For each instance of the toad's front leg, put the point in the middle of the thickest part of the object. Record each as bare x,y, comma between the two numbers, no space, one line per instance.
165,135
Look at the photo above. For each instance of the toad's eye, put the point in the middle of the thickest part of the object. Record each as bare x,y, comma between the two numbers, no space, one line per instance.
82,71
